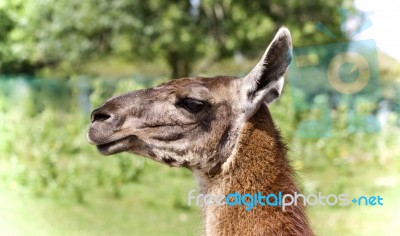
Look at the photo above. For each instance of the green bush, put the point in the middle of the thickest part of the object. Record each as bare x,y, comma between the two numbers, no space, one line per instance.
43,144
44,150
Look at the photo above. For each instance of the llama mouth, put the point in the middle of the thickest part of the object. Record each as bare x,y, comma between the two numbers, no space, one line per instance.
116,146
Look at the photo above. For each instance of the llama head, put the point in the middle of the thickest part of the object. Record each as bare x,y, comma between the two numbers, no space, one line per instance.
190,122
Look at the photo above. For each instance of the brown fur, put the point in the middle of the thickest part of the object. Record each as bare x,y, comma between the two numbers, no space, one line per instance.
257,165
221,129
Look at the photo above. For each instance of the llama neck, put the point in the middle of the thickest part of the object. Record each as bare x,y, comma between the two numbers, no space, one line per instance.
257,164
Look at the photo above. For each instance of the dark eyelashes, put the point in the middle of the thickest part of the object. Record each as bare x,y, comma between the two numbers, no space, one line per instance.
192,105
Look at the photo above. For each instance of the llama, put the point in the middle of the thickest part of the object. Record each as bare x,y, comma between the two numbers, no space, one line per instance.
221,129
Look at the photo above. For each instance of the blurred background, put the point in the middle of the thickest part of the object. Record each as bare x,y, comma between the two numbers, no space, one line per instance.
60,59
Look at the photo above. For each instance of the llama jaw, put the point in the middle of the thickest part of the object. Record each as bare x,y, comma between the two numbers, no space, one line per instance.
116,146
108,145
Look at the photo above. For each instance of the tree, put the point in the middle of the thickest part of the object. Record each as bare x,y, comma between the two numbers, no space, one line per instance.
183,31
49,32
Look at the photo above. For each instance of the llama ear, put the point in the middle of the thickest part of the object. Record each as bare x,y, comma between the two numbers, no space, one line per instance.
265,81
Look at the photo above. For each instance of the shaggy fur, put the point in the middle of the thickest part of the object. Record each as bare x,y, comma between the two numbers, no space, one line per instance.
258,164
219,128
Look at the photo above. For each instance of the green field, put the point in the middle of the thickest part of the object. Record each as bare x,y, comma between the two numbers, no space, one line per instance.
157,205
52,182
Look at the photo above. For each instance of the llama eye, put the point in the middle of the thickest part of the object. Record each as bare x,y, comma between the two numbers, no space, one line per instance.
191,105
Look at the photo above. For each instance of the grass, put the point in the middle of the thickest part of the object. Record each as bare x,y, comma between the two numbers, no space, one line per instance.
369,179
53,183
157,205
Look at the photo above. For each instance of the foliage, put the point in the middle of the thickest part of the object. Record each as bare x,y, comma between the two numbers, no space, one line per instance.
44,152
44,135
43,139
48,33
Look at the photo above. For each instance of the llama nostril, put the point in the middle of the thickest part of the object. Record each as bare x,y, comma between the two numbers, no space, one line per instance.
100,116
